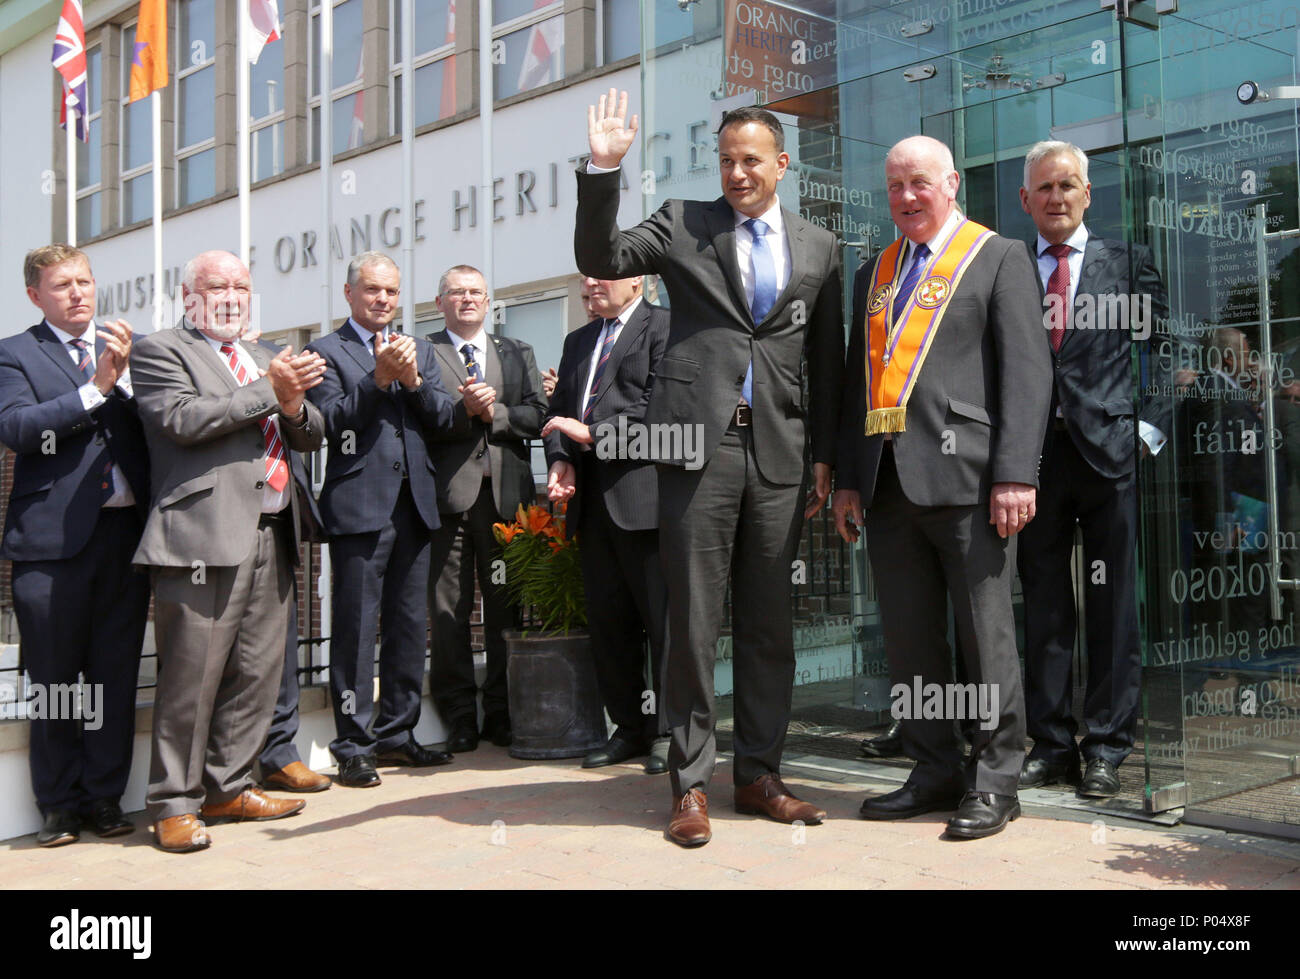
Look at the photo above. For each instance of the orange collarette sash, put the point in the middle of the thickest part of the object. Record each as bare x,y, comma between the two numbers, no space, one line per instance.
897,351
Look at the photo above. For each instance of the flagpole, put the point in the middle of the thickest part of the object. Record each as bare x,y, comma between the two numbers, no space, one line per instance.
408,165
242,115
71,134
485,93
156,104
327,278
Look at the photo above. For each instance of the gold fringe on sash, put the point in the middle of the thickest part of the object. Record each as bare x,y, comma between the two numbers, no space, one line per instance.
881,420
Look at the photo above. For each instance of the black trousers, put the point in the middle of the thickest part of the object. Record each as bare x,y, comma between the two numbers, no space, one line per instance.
463,548
379,576
922,558
627,605
84,615
1106,511
727,519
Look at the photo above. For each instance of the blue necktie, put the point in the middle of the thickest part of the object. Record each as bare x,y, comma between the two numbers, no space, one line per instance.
764,267
904,293
471,367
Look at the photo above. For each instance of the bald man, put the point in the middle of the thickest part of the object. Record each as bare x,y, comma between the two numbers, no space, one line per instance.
946,395
224,419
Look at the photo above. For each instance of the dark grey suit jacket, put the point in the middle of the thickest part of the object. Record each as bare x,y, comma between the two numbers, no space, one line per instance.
629,488
978,410
711,336
1093,368
457,452
206,450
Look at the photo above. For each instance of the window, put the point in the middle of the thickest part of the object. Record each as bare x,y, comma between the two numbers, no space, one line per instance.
266,113
531,33
434,65
540,324
621,30
195,92
347,103
89,162
136,146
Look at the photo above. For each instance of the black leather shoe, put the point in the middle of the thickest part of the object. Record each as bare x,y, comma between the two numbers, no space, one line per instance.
1100,780
657,763
496,728
907,802
358,772
106,819
60,828
619,748
983,814
886,745
463,736
412,755
1040,771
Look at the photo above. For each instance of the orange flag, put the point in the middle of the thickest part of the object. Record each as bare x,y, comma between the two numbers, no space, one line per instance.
149,68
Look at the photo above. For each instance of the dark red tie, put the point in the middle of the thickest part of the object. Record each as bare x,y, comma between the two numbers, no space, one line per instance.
277,470
1058,284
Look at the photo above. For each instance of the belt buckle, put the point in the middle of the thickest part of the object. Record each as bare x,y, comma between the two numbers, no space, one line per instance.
744,416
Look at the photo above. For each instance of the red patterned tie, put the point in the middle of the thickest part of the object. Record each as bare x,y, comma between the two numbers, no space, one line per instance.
277,470
1058,284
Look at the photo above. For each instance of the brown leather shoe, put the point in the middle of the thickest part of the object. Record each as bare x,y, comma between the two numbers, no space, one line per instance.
769,797
689,825
296,777
251,804
181,834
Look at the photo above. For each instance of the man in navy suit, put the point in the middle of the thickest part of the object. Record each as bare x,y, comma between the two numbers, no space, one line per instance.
600,396
382,399
1089,475
80,491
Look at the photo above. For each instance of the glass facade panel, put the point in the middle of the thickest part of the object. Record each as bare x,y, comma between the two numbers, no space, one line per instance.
435,93
195,107
137,198
266,88
1177,165
435,25
197,177
347,45
267,147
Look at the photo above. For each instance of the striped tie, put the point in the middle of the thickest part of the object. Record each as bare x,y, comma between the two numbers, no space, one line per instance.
606,347
277,470
84,365
909,282
471,366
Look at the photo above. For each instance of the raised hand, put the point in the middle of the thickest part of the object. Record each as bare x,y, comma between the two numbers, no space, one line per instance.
291,376
479,399
608,133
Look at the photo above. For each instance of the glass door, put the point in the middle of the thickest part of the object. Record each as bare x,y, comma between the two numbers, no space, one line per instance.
1211,181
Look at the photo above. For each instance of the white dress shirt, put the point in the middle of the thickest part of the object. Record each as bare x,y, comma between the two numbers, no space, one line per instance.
273,500
91,398
1152,436
479,342
365,336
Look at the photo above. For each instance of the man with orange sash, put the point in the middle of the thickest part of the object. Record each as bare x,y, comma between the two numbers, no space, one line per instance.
946,396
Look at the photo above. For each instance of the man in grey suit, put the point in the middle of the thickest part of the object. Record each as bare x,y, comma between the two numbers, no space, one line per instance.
755,291
940,443
223,421
483,470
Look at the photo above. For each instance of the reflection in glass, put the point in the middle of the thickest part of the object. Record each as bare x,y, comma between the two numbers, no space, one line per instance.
534,57
89,222
435,93
197,177
137,198
347,46
434,26
267,147
196,104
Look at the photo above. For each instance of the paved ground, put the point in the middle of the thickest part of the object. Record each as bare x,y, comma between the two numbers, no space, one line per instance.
489,821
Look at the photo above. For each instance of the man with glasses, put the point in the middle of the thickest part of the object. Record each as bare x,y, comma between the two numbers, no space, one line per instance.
483,473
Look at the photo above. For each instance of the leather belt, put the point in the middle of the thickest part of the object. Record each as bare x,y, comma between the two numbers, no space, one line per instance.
743,417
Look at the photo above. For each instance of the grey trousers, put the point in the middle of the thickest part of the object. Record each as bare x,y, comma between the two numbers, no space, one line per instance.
220,657
921,558
726,518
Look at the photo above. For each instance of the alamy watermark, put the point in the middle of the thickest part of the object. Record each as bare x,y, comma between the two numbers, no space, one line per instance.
946,701
1100,311
54,702
655,442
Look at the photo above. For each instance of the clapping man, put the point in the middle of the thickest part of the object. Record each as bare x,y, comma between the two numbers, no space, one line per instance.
224,420
80,492
383,402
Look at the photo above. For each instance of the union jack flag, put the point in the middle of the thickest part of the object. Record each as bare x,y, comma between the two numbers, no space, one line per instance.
70,61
